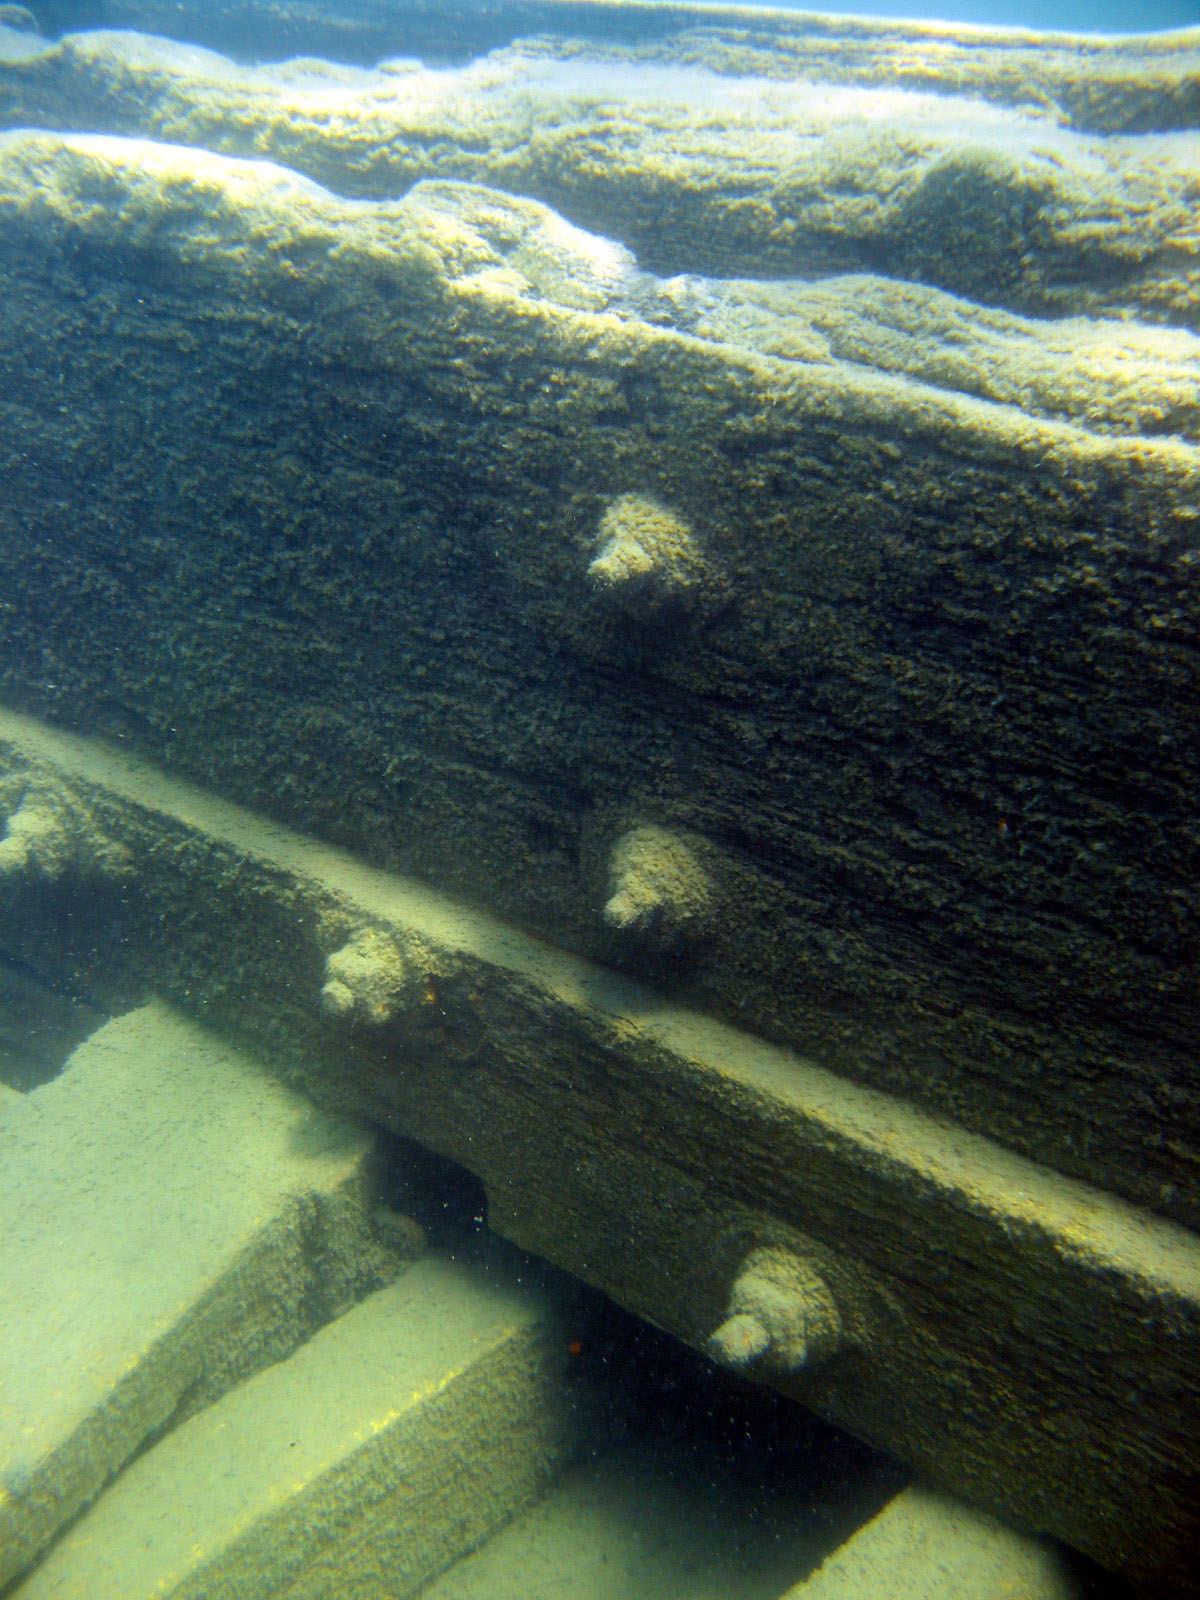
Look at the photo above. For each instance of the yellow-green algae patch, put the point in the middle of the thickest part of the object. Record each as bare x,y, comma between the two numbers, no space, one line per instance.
726,163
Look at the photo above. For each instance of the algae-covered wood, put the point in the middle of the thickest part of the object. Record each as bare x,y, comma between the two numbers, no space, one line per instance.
1024,1340
721,492
391,1443
171,1220
438,528
1125,82
784,171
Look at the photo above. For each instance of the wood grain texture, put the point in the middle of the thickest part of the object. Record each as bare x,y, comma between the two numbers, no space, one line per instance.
302,497
1023,1339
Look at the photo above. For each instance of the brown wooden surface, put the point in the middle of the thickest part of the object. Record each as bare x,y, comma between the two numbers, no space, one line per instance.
301,499
1024,1340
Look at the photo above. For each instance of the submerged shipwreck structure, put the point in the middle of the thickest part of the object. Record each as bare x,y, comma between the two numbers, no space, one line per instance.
622,600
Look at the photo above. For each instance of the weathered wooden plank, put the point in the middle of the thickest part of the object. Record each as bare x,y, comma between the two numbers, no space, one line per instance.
394,1441
856,705
171,1220
1024,1340
1123,82
924,1544
783,177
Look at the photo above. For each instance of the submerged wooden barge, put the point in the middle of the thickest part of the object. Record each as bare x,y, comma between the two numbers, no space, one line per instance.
627,608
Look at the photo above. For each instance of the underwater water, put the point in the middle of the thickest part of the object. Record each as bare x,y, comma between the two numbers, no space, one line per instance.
599,731
1065,16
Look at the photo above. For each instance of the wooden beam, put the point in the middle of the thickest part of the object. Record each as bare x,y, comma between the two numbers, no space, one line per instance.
1023,1340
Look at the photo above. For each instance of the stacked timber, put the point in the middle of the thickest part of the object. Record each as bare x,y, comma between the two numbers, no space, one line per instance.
755,549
